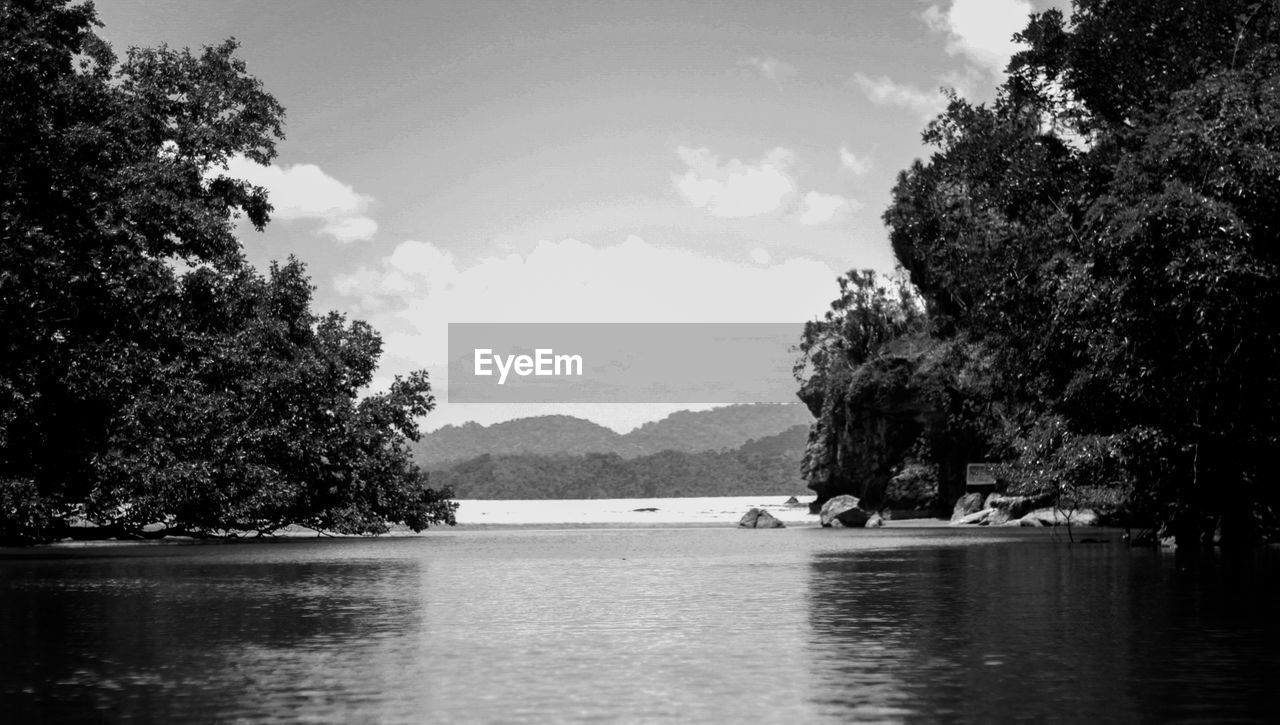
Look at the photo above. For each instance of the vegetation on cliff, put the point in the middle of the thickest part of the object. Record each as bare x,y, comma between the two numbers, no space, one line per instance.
149,374
1097,255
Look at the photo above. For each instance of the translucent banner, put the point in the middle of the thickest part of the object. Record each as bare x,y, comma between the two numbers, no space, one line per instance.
622,363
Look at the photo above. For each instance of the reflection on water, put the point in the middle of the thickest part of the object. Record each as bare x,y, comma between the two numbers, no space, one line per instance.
693,625
1046,633
161,637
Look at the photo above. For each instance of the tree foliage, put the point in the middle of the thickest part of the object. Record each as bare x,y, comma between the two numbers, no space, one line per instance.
1106,229
148,373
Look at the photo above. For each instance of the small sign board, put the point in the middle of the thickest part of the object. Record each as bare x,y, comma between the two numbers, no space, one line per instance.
980,477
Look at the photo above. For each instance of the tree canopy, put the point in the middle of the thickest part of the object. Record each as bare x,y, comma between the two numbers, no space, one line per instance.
1105,233
149,374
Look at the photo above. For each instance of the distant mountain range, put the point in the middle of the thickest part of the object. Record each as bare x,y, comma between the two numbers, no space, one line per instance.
765,466
717,430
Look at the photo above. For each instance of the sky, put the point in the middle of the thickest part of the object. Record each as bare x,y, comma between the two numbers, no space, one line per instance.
584,161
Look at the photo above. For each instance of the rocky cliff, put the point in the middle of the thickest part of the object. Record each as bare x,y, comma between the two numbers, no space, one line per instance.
907,402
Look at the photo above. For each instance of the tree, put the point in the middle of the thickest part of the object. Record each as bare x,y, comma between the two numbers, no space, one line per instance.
148,373
1106,229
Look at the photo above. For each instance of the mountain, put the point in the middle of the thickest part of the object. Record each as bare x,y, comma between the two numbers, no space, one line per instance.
549,435
718,429
766,466
542,435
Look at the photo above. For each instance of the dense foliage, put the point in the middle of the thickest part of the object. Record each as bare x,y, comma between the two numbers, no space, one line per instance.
149,375
1105,235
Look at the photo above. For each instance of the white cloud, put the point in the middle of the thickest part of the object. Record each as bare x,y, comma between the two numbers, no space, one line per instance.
735,189
884,91
981,30
412,294
351,229
760,255
854,163
819,208
770,68
304,191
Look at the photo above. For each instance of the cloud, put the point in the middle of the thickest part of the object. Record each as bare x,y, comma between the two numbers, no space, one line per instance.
760,255
819,208
853,163
770,69
735,189
884,91
304,191
351,229
412,294
981,30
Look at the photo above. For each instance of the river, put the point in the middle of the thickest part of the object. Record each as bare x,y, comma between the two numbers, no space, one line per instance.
641,624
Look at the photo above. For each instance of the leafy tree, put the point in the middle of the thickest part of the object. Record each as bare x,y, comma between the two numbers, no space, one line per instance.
870,313
1106,230
148,373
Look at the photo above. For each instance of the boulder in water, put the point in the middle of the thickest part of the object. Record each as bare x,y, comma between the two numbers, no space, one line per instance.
875,522
977,518
843,511
1054,517
1008,508
769,521
760,519
970,503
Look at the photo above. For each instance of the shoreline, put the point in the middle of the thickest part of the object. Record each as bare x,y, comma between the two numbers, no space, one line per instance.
941,526
514,515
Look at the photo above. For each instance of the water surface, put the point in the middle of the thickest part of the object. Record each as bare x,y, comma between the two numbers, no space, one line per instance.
652,624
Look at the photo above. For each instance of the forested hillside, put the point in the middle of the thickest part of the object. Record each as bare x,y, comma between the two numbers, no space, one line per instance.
688,431
767,466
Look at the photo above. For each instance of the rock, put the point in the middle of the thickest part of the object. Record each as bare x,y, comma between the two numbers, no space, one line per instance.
1030,520
843,511
998,517
978,518
793,501
769,521
760,519
647,509
1084,517
1015,506
1054,517
875,522
970,503
854,453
